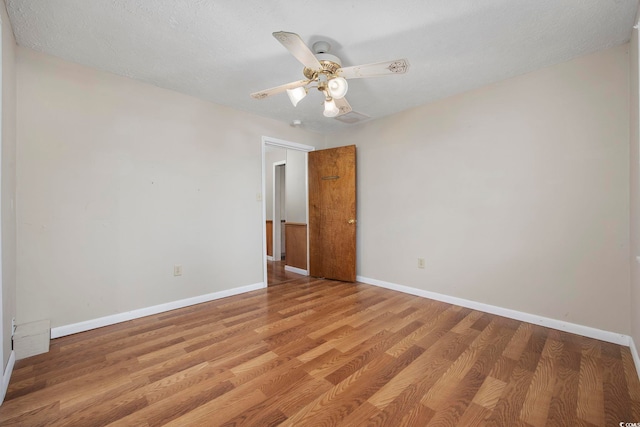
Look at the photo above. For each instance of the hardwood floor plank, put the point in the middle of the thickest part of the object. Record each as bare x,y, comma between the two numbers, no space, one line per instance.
38,417
164,368
291,399
277,275
392,390
169,408
256,363
273,418
192,379
443,326
420,334
419,415
617,402
295,347
63,393
103,414
419,314
361,355
320,352
535,407
439,393
465,324
217,411
489,393
503,368
507,410
459,399
633,382
490,343
563,405
302,395
475,415
359,416
530,357
347,395
590,405
519,341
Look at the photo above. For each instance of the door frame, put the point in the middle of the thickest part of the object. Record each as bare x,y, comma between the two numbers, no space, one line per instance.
5,370
288,145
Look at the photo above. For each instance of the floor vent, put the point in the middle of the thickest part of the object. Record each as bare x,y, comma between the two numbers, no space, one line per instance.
31,339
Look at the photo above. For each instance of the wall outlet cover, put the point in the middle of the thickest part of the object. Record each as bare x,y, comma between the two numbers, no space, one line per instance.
177,270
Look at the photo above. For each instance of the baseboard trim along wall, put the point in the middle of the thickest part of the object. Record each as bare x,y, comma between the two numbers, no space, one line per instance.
296,270
87,325
586,331
7,376
634,353
573,328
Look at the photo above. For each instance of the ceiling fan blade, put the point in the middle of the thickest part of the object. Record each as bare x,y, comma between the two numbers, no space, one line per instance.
296,46
343,106
279,89
398,66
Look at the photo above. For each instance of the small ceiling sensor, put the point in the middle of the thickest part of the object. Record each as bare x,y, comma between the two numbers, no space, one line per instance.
296,123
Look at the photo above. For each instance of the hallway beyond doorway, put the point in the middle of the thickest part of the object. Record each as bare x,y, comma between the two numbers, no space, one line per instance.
276,274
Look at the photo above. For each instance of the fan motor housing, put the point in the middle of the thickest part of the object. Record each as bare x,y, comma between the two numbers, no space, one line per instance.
328,67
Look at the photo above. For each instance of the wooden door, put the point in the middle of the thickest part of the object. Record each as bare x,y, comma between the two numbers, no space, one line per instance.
332,213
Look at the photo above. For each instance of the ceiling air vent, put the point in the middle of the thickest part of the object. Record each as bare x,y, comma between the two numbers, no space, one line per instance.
353,117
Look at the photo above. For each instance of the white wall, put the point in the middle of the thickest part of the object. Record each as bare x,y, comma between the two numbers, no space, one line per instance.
8,182
119,180
295,179
270,157
295,183
516,194
634,163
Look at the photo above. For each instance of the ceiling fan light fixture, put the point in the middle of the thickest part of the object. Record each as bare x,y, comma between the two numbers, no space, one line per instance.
337,87
296,95
330,108
324,71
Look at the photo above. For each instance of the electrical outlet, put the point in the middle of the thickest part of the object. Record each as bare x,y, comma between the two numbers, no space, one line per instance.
420,262
177,270
13,326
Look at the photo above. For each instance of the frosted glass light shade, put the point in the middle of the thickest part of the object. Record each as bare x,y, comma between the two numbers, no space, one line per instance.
330,109
296,95
337,87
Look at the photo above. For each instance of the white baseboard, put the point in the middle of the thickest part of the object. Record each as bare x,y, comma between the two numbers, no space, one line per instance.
87,325
269,258
7,376
634,353
573,328
296,270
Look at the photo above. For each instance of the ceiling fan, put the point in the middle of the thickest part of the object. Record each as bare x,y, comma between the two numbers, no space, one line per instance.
324,72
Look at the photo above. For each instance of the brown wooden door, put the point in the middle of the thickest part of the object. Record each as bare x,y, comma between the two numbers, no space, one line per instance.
332,213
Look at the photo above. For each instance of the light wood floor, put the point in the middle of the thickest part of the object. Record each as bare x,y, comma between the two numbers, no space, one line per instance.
276,274
317,352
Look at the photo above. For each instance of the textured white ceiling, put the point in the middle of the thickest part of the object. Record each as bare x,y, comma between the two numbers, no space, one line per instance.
222,51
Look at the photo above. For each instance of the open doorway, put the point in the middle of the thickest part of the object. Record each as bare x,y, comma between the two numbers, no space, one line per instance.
285,205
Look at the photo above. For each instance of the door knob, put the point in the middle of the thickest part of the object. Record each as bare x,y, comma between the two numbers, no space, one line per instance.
352,221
